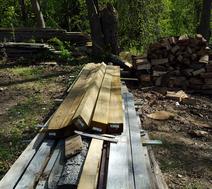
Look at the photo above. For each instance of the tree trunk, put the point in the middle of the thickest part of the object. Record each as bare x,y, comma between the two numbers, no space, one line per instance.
23,11
204,27
96,29
36,9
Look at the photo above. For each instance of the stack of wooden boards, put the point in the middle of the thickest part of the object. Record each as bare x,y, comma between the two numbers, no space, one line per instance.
176,62
12,50
41,34
93,103
126,164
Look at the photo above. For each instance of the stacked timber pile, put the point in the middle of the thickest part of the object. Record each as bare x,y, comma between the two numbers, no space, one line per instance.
13,50
40,35
182,62
94,103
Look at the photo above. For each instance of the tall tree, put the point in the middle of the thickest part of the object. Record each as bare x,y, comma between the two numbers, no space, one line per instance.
23,11
96,29
38,13
204,27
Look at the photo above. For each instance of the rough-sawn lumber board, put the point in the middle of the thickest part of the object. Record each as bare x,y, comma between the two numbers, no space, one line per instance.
90,173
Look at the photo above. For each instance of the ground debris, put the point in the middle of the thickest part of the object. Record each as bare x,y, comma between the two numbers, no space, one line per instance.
198,133
161,115
181,153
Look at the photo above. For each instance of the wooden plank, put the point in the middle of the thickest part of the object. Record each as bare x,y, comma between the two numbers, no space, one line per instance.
43,181
116,110
57,170
140,170
36,166
73,145
83,115
90,173
15,172
99,137
100,120
64,114
120,173
154,171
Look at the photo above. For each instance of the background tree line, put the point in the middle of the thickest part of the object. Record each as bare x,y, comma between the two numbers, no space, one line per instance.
140,21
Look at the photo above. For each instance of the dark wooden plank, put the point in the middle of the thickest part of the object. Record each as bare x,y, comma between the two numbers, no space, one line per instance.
36,166
140,170
43,181
57,170
15,172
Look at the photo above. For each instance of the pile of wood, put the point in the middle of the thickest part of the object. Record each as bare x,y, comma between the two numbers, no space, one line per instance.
41,35
11,50
182,62
94,103
86,163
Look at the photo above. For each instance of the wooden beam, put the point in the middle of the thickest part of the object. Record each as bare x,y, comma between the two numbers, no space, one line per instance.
116,110
64,114
90,172
100,120
83,115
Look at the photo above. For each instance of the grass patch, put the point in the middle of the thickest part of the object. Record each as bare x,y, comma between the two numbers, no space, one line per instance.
27,71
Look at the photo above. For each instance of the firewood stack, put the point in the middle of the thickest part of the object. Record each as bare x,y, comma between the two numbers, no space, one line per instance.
177,62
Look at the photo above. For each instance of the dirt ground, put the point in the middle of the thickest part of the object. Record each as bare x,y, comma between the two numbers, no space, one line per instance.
185,157
27,95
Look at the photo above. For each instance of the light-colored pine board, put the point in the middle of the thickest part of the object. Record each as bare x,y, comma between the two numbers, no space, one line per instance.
115,111
90,172
13,175
36,166
64,114
99,137
43,180
100,118
73,145
120,173
83,115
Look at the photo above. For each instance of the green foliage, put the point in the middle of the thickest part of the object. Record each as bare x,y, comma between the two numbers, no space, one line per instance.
140,21
64,47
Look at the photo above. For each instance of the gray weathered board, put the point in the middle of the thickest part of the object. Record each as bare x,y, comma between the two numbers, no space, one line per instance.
140,167
52,172
36,166
120,173
13,175
128,168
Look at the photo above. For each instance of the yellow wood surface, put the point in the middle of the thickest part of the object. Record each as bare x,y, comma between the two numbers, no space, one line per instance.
101,114
90,172
116,110
64,114
83,115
